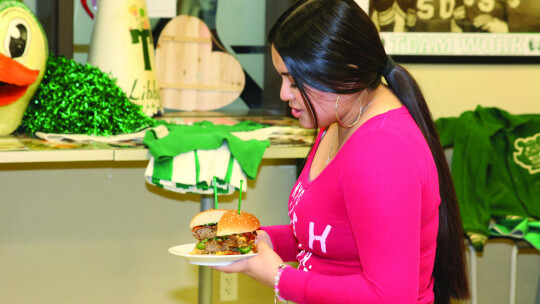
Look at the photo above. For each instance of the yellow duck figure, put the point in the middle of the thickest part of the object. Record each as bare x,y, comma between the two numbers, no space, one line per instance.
23,57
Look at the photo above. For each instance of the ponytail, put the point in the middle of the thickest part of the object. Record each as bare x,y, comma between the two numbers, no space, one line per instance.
333,46
450,270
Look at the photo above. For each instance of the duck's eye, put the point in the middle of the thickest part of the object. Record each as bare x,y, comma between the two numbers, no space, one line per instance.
17,38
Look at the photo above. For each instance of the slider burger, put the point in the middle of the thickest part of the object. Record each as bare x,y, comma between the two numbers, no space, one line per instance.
223,232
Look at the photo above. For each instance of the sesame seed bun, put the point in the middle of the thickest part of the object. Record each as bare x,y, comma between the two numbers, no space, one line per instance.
207,217
232,223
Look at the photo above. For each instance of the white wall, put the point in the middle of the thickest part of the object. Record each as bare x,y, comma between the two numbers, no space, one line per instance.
451,89
97,233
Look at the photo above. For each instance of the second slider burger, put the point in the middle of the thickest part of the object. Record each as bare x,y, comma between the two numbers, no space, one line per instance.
223,232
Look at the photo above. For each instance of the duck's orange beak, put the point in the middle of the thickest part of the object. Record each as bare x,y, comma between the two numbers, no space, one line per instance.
14,79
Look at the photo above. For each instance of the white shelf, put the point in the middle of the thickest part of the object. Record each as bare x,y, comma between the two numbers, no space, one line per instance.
124,154
131,154
33,156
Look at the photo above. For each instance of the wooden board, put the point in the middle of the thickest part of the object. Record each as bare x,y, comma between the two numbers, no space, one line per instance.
191,76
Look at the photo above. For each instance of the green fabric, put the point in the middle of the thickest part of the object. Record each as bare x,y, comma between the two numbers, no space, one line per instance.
229,172
519,228
207,136
494,176
222,187
163,171
197,169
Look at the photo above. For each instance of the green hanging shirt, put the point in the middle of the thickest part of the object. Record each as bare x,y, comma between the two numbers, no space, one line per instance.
495,168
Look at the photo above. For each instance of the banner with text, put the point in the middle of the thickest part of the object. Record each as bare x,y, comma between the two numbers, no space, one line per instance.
454,44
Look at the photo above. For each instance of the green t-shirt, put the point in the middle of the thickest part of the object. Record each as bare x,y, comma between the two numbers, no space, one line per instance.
207,136
495,168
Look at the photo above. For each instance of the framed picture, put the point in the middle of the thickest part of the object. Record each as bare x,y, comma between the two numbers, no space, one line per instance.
458,31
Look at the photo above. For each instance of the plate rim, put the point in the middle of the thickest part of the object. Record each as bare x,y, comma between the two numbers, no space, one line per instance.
199,259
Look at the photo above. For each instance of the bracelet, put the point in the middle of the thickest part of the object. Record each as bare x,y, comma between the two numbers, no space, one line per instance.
277,297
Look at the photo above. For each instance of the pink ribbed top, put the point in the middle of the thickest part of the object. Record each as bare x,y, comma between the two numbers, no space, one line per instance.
364,230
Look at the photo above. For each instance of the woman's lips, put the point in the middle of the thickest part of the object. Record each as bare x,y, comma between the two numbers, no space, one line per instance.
295,112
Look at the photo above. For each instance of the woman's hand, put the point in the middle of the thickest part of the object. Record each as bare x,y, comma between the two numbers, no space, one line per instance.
262,267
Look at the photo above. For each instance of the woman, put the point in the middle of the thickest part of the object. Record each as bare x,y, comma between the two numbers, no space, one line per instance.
374,217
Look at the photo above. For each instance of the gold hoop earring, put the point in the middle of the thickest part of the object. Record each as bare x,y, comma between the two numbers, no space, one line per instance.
339,121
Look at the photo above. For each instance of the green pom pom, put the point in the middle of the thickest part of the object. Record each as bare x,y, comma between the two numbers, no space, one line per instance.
80,99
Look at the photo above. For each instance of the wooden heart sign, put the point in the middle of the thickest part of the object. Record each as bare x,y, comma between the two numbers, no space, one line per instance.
191,76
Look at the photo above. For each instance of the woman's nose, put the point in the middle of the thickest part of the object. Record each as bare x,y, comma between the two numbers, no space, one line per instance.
285,93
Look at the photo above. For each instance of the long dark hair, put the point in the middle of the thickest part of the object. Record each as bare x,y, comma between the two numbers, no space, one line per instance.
333,46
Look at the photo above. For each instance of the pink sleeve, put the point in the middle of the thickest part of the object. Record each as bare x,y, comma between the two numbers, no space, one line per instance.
283,241
382,190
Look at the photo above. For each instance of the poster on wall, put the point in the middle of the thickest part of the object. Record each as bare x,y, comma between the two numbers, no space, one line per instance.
468,31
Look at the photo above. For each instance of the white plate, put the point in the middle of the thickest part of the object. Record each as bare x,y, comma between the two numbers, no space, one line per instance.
207,259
